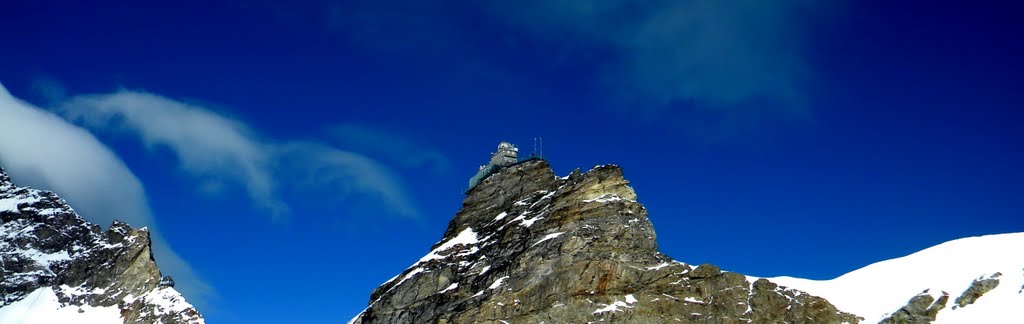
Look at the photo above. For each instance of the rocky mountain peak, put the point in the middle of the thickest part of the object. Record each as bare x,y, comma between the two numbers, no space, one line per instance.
529,246
52,262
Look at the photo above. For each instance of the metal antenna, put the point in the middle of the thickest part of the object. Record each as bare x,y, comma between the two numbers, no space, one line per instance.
542,147
534,147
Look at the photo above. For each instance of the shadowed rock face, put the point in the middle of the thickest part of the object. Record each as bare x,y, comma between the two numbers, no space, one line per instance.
44,243
530,247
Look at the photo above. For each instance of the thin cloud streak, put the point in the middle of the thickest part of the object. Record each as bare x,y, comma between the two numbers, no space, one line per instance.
391,146
319,167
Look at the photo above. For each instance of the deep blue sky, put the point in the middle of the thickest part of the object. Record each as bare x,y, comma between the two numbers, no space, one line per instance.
798,139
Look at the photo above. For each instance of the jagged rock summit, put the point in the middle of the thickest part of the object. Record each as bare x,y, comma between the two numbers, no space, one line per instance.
57,268
528,246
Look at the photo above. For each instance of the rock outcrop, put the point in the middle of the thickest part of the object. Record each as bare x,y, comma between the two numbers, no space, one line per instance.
921,309
45,245
978,288
530,247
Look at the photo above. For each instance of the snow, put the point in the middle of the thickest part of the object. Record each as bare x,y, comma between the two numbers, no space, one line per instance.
545,197
529,222
408,276
41,306
617,305
497,283
11,204
662,265
630,299
547,237
524,222
501,216
613,307
449,288
883,287
167,301
606,198
518,218
693,300
494,285
466,237
484,270
46,259
78,291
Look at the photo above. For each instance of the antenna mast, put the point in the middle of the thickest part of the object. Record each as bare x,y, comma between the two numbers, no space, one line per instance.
534,147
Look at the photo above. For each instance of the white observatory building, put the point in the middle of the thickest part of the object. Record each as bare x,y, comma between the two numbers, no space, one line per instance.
506,155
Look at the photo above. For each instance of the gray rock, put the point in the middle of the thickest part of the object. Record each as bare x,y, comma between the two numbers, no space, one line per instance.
530,247
978,288
167,281
921,309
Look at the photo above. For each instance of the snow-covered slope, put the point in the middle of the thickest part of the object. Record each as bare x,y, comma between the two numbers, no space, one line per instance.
43,306
878,290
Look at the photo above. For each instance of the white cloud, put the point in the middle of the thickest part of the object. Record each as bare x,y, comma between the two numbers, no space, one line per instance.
41,150
217,149
206,144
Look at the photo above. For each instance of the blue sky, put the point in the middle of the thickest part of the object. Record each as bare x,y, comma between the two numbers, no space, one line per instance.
291,158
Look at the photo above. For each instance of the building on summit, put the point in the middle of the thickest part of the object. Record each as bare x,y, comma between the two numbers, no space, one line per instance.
506,155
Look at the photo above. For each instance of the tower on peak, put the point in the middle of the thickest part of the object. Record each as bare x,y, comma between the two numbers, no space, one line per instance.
506,155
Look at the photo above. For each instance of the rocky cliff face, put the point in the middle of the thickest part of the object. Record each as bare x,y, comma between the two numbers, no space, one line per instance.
530,247
48,251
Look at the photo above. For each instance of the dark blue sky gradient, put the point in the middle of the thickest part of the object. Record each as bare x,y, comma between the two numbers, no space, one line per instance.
909,133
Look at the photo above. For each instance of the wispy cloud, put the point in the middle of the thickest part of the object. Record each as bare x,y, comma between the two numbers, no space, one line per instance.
319,167
391,146
721,54
215,148
706,65
39,149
